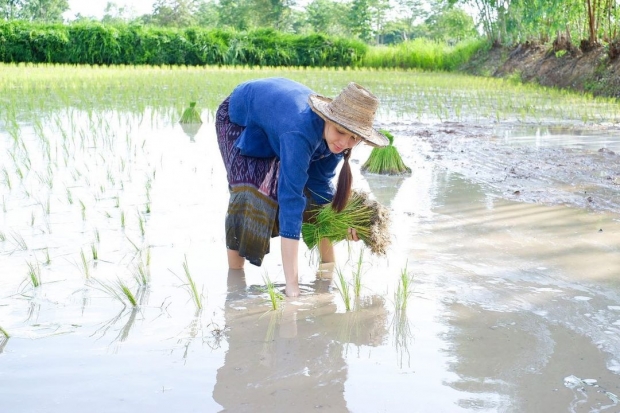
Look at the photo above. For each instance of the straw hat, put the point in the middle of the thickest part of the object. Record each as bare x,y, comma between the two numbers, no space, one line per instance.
353,109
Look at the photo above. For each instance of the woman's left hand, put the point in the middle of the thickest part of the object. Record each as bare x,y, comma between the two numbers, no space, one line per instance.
352,235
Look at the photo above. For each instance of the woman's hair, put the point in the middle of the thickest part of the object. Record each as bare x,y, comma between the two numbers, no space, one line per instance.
345,179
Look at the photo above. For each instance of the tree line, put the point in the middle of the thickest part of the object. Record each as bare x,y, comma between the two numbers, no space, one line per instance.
585,23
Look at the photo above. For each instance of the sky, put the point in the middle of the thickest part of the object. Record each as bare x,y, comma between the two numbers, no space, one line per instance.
95,7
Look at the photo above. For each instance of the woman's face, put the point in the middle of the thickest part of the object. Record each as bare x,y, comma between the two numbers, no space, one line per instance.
338,139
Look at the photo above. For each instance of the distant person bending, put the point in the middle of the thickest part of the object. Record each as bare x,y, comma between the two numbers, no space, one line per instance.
281,144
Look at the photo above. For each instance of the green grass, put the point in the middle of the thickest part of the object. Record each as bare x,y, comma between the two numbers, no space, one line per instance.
386,160
423,53
34,274
275,296
118,290
369,218
343,289
357,275
195,293
84,265
191,114
404,290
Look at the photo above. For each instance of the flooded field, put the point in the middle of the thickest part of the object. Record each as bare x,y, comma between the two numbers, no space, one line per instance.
508,229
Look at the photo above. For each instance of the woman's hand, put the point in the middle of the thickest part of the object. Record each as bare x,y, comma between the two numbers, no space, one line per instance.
352,235
289,264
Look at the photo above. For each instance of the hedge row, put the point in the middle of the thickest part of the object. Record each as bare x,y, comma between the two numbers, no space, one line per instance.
95,43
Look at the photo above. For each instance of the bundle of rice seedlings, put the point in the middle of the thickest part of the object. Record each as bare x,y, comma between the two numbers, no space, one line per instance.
370,219
386,160
191,115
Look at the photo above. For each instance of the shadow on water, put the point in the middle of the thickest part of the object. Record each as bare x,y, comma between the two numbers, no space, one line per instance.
294,356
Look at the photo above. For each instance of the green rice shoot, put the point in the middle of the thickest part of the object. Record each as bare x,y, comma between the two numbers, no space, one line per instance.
191,286
34,274
118,290
275,296
386,160
191,114
343,288
4,332
369,218
357,275
404,290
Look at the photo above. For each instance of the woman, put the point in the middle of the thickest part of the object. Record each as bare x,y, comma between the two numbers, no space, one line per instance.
281,144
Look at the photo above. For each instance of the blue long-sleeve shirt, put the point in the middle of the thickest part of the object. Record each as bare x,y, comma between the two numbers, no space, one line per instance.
279,122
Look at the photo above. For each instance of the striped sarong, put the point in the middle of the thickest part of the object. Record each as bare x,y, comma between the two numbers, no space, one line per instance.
251,219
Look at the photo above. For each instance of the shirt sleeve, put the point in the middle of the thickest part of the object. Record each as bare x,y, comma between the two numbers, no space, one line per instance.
295,155
320,179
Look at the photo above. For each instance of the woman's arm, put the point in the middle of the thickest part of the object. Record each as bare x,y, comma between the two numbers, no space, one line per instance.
290,265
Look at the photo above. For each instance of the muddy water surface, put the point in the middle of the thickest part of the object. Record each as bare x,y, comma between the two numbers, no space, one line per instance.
515,305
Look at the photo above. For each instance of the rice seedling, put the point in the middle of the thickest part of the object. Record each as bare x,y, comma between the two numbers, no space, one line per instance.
386,160
275,296
343,289
93,249
4,333
83,209
401,331
191,286
19,241
118,290
369,218
2,236
191,115
7,179
123,219
34,274
69,197
404,290
357,275
141,223
142,271
85,267
48,260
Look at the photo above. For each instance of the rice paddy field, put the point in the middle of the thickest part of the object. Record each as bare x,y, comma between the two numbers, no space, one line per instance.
115,293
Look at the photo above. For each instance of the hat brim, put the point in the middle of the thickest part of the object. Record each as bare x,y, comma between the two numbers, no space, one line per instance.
320,105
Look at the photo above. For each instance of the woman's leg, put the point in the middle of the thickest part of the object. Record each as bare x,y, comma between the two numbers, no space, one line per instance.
326,250
235,261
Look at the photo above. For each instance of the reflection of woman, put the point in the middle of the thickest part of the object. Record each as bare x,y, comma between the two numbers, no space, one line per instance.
280,141
293,360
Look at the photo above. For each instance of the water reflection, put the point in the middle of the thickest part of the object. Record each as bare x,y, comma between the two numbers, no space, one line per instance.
384,187
293,357
3,342
191,130
129,314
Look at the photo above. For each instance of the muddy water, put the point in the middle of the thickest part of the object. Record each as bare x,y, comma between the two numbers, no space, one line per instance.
515,304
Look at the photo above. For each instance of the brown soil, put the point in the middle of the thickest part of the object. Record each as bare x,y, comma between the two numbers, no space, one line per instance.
546,175
556,65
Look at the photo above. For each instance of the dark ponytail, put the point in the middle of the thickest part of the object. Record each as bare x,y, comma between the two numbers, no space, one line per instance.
345,179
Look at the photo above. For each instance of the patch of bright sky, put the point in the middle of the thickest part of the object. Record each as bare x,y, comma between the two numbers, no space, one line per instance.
95,8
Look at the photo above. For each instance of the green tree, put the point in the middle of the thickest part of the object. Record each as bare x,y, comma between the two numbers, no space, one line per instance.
451,24
235,14
410,12
174,13
9,9
207,14
49,11
328,16
113,13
